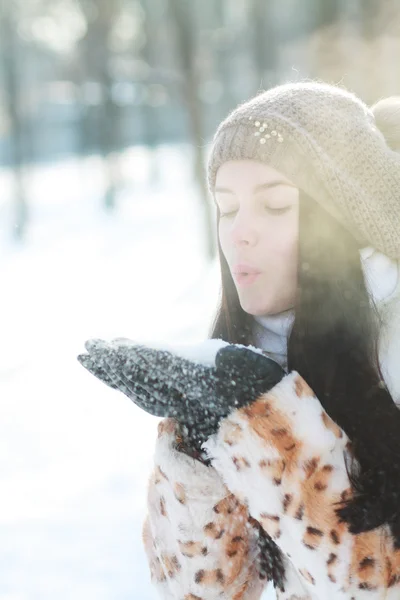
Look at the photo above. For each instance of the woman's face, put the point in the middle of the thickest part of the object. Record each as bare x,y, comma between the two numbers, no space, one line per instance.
258,233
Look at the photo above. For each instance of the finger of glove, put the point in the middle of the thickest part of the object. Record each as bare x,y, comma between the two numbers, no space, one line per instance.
173,382
106,363
174,371
135,391
140,397
166,399
207,397
138,381
100,351
162,399
108,360
141,387
112,363
93,368
93,344
190,379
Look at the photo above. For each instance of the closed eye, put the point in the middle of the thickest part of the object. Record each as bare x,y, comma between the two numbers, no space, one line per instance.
269,209
277,211
228,213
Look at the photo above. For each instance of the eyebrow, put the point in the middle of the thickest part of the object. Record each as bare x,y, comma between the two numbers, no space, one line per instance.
258,188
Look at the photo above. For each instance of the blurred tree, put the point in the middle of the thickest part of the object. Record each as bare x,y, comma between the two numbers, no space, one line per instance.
264,42
10,57
186,46
220,39
148,53
328,12
96,56
379,28
325,43
151,60
368,12
142,66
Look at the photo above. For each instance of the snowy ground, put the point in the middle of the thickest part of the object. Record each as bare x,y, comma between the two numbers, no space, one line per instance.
74,455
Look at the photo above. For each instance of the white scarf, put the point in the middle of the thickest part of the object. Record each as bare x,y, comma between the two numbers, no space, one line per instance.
270,332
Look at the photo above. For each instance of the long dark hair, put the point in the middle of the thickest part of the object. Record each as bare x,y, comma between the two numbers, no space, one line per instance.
334,345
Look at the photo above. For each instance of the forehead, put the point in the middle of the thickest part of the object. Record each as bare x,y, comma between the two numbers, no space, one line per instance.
245,174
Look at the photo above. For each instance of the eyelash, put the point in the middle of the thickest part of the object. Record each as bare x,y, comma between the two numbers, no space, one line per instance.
274,211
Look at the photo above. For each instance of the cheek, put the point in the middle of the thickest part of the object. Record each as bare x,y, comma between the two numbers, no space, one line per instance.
289,269
281,244
289,253
281,252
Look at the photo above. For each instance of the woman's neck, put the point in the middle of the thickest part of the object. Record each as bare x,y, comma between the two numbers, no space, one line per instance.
270,333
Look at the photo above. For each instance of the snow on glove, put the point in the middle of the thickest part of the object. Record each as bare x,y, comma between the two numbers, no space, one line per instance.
197,396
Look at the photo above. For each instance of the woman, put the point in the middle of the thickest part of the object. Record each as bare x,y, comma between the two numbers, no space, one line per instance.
263,475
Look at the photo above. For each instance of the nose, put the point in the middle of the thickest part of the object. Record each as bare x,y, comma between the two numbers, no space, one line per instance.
244,232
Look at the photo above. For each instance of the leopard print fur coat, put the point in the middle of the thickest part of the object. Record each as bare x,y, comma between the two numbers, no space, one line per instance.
282,462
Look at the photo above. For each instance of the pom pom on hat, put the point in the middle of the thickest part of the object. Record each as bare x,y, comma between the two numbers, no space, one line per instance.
387,119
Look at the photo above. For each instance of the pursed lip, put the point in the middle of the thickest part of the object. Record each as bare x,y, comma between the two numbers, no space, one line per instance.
244,269
245,275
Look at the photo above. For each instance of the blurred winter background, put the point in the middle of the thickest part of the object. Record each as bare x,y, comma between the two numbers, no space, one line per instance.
106,112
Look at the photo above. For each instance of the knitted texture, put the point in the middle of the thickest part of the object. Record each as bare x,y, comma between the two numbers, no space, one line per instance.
325,140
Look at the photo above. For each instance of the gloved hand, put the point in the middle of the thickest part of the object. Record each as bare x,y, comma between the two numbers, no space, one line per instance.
198,397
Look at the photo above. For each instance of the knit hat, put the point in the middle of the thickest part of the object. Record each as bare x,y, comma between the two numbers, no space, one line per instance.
326,141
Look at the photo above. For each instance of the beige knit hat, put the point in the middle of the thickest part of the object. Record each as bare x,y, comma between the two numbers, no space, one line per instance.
326,141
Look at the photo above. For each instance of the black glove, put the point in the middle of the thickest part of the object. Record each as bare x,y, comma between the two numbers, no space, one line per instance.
198,397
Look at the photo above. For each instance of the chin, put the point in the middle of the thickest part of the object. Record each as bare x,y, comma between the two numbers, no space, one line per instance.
255,309
259,312
271,306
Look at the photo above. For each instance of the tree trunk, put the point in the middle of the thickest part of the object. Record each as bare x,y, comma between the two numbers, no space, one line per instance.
96,52
264,43
325,43
9,54
186,46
